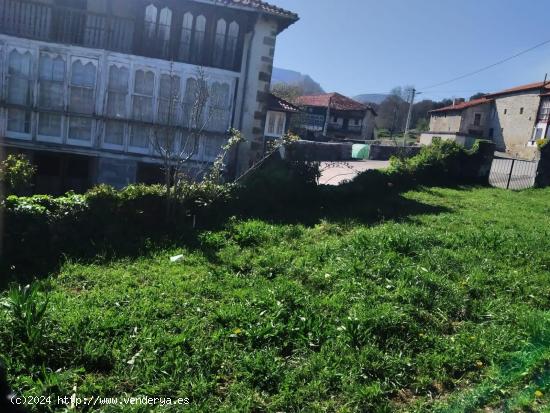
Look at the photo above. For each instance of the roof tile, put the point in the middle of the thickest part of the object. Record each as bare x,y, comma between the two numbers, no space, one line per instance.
337,102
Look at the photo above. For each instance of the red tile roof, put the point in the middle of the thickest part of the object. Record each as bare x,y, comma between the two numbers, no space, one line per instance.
261,6
522,88
336,100
281,105
463,105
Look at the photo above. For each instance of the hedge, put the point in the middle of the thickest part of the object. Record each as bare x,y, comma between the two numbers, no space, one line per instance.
40,229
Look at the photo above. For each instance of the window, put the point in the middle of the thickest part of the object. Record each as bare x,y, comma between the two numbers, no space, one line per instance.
114,133
19,91
51,81
212,147
521,111
82,98
538,133
231,45
82,86
117,92
219,42
150,21
157,28
198,39
275,124
491,133
544,114
477,119
144,86
139,138
51,94
169,99
186,37
225,44
219,107
194,104
80,129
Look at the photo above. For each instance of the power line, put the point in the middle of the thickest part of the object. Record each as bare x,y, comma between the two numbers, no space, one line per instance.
488,67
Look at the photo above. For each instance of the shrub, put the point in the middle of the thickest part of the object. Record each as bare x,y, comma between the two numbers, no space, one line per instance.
40,228
16,172
541,143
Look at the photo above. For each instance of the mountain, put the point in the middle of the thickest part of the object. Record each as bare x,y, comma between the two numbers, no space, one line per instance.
290,77
375,98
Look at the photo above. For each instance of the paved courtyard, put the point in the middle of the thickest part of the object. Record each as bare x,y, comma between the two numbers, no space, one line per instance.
336,173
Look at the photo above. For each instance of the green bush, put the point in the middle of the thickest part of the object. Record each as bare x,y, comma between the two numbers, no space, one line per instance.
16,172
39,229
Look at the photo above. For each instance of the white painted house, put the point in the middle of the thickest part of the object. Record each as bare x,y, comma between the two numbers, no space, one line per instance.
84,82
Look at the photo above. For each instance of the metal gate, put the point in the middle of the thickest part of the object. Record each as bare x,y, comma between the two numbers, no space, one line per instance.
513,173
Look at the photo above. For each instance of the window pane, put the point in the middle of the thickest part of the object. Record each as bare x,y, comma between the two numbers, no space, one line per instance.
150,20
19,121
219,43
49,124
118,91
80,129
169,98
144,83
280,124
186,34
19,76
231,47
114,133
83,74
139,137
198,42
165,21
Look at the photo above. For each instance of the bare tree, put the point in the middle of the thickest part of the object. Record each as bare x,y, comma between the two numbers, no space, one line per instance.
183,121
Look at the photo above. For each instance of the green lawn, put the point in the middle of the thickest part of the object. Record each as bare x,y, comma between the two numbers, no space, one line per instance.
446,309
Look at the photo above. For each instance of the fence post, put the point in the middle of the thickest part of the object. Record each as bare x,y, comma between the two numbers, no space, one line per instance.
510,175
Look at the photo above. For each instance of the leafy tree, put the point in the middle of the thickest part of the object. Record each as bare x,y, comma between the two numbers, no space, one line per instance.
16,172
287,92
477,96
422,125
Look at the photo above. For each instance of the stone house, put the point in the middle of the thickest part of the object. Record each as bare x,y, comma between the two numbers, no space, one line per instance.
513,119
335,117
84,82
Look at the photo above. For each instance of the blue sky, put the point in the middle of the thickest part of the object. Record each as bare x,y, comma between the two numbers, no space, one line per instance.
370,46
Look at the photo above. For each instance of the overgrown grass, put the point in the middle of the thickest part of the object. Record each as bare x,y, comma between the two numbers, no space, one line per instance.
444,312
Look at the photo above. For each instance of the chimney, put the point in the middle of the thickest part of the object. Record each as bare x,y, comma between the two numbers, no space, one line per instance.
458,101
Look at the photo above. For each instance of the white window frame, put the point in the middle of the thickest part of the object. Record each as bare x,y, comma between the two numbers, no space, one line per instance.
138,149
48,138
32,86
277,115
93,128
113,146
154,108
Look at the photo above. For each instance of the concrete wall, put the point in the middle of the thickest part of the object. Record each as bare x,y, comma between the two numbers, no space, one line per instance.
512,129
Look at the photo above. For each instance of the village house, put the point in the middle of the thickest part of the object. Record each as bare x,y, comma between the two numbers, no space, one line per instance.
84,82
279,117
514,119
335,117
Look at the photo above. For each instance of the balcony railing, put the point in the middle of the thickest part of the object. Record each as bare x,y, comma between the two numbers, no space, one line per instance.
66,25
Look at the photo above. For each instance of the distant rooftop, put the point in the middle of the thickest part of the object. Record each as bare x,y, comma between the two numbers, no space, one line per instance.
543,87
336,101
281,105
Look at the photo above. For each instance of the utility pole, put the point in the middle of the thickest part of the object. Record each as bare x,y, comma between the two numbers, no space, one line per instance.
408,125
